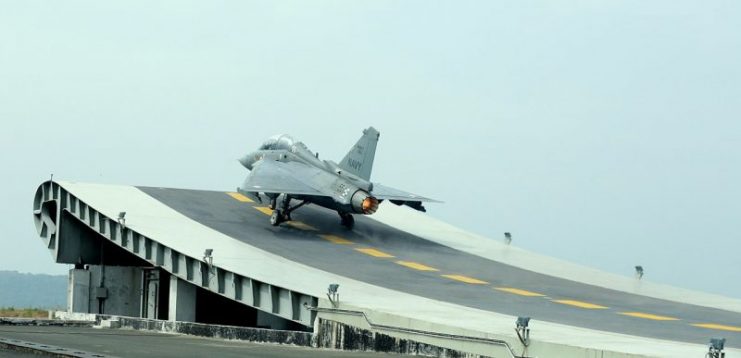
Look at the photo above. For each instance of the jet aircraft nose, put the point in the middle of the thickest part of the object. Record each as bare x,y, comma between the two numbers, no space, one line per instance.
248,160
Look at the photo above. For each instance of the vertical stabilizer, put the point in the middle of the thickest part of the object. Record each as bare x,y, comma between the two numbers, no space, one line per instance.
359,160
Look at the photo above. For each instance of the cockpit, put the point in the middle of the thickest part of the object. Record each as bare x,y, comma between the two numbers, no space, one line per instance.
281,142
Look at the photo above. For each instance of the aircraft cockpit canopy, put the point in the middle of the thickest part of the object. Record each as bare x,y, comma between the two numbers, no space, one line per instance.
282,141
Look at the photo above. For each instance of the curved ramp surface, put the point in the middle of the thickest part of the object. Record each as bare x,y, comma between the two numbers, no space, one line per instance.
381,255
414,274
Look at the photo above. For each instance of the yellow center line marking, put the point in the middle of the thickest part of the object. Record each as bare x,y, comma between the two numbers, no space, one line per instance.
648,316
416,266
240,197
264,209
580,304
718,326
465,279
336,239
374,253
301,226
518,291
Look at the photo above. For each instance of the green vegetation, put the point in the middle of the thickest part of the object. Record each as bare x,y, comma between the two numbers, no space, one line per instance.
23,312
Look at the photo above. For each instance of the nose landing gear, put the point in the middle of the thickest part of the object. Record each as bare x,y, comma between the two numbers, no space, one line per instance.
283,213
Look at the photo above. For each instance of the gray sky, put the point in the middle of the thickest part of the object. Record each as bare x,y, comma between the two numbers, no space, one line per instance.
604,133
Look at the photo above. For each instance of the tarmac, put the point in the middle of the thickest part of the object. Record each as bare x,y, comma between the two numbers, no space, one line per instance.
131,343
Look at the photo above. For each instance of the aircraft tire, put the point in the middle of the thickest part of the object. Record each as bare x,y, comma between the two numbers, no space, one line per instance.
276,217
348,221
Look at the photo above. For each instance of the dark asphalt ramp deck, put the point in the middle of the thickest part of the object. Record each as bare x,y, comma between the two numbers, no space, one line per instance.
241,221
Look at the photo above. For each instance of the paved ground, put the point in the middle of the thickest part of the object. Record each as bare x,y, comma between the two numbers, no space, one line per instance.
11,354
381,255
128,343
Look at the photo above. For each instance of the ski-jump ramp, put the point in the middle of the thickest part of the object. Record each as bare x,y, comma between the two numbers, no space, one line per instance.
400,273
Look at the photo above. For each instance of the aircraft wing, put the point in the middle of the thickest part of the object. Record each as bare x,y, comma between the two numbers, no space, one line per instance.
388,193
271,176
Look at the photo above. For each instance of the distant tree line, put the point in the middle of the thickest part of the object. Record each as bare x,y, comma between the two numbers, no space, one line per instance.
25,290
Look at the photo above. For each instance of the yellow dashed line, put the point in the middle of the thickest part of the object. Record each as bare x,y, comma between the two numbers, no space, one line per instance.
301,226
465,279
648,316
240,197
374,253
416,266
264,209
580,304
518,291
336,239
718,326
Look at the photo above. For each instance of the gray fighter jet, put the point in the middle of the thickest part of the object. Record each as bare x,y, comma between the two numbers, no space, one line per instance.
284,169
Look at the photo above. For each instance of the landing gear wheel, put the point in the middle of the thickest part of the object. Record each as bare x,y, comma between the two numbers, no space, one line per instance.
347,220
276,218
284,213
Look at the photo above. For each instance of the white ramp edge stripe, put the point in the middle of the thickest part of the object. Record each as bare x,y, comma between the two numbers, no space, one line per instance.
165,225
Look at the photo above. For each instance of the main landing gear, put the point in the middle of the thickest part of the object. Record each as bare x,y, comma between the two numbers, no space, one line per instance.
282,209
347,220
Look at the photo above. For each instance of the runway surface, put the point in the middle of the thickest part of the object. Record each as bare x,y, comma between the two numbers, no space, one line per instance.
383,256
129,343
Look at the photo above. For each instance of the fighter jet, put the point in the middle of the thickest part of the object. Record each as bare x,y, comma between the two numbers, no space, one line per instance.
284,169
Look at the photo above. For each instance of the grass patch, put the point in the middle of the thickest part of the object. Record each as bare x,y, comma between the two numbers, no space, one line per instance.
23,312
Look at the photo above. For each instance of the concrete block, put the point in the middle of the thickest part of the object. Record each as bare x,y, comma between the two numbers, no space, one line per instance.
112,323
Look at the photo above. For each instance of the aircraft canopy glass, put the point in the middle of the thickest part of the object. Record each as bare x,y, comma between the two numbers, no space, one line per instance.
282,141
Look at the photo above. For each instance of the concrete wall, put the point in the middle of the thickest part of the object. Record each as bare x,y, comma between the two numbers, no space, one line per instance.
328,334
121,291
121,288
105,289
250,334
335,335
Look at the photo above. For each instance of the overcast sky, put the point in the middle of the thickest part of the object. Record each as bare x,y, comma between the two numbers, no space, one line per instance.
604,133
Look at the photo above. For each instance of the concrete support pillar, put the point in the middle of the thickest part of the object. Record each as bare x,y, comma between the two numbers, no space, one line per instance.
78,291
114,289
182,304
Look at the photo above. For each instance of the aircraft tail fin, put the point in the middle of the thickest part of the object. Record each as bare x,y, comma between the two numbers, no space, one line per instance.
359,160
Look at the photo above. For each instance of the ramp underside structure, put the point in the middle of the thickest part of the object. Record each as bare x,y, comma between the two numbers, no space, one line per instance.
392,277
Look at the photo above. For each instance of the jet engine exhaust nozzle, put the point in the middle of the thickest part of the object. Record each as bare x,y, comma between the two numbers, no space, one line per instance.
364,203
